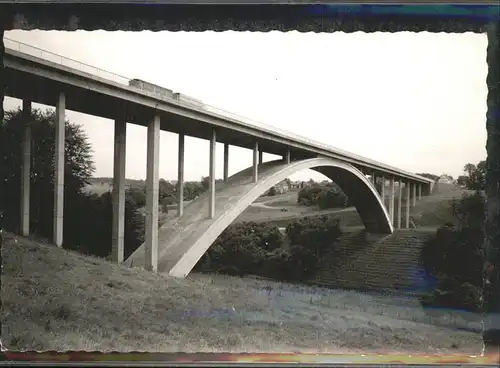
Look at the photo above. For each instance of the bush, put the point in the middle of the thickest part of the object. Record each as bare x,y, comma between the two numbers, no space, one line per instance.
243,247
271,192
454,257
318,233
91,231
261,249
324,196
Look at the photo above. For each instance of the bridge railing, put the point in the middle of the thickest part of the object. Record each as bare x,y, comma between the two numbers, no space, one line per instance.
117,78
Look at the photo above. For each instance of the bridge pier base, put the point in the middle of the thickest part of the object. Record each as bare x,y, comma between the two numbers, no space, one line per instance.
118,194
226,162
180,177
211,175
26,169
152,184
408,203
59,170
392,190
400,199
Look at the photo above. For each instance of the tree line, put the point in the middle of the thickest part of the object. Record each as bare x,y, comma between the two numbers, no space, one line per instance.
88,216
243,248
260,249
453,256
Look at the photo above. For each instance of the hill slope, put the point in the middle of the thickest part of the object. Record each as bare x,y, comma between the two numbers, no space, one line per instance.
54,299
371,262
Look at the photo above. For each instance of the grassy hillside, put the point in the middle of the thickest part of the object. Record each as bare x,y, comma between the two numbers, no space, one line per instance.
370,262
59,300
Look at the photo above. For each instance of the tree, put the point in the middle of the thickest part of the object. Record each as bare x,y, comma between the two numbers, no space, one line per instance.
205,183
88,217
463,180
79,167
242,249
476,175
137,195
324,196
166,192
272,191
453,257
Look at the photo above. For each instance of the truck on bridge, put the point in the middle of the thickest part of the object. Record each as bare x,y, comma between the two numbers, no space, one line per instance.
150,87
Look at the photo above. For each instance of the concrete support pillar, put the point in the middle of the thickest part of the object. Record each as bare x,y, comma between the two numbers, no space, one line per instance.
26,169
288,156
419,192
180,177
211,181
408,204
400,200
59,170
392,190
414,195
373,180
261,158
226,162
256,162
118,194
382,189
152,189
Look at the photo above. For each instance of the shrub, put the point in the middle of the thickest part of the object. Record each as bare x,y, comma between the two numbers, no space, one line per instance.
453,255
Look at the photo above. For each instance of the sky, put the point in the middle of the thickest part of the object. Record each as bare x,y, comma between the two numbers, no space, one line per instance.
416,101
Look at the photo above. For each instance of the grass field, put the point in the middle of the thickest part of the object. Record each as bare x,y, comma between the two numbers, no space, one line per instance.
53,299
430,211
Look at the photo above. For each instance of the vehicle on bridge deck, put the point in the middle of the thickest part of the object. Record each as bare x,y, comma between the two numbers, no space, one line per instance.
190,100
150,87
154,88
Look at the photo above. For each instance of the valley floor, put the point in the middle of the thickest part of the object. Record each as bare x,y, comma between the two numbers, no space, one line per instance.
53,299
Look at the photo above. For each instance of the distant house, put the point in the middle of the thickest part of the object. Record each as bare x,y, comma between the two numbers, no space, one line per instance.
446,179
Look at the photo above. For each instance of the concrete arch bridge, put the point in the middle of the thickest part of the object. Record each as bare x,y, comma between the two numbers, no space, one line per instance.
182,241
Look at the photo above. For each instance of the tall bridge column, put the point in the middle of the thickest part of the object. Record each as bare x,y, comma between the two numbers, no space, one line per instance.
373,178
408,198
391,200
211,181
400,199
26,169
226,162
287,156
118,193
180,177
382,189
152,186
59,170
414,195
261,157
419,192
255,162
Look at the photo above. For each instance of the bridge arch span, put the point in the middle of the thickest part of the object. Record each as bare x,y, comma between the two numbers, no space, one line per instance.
183,241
